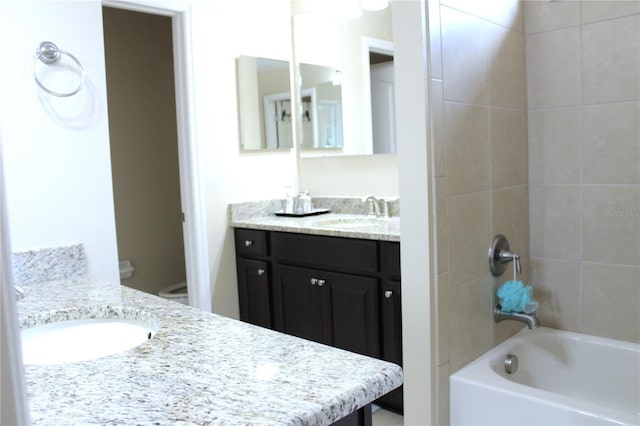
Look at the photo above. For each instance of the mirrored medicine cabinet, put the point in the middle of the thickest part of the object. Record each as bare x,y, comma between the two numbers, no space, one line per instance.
344,67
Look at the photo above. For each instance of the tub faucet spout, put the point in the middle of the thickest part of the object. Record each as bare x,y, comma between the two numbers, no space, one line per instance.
530,319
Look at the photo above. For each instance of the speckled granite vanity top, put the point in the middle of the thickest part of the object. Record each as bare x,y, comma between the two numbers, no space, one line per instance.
347,218
199,368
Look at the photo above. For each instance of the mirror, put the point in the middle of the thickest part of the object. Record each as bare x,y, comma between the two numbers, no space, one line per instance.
321,107
353,57
264,104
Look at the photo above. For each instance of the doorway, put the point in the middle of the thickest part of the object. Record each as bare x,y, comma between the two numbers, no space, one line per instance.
144,148
193,218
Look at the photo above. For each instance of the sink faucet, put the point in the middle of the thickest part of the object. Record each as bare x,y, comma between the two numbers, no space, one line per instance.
19,292
374,206
530,319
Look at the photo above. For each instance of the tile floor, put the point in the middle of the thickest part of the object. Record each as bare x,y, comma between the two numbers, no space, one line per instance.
387,418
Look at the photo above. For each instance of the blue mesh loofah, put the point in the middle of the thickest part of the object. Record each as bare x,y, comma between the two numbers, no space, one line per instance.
516,297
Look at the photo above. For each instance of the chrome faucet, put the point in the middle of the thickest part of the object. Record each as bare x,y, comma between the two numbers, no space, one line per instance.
19,292
374,206
530,319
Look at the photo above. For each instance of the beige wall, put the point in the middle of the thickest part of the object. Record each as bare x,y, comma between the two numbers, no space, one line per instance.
479,131
583,64
144,147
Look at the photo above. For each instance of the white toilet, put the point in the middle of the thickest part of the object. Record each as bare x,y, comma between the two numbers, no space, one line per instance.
176,292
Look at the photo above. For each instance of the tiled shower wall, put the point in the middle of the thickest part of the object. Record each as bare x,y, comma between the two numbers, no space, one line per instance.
535,112
479,113
583,68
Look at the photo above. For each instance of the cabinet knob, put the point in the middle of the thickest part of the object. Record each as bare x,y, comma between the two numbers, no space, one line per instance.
314,281
260,271
248,243
321,282
388,294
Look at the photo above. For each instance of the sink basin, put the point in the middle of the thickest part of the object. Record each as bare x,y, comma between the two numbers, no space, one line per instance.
81,339
357,223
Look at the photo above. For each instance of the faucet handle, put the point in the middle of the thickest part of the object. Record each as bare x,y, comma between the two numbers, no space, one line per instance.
500,255
507,256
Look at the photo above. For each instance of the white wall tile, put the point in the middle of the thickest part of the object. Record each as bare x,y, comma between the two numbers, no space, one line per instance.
600,10
435,40
546,15
555,221
611,60
611,301
555,149
553,68
506,67
506,13
611,143
464,57
611,228
468,149
469,321
556,287
510,217
442,313
442,231
469,237
437,128
508,130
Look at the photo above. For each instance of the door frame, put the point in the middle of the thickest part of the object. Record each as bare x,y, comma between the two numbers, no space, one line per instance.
194,223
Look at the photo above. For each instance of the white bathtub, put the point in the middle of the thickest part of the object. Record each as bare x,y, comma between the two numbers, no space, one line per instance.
563,378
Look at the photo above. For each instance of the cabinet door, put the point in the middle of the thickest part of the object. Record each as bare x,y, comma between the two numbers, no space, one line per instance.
354,312
392,339
392,322
301,304
253,292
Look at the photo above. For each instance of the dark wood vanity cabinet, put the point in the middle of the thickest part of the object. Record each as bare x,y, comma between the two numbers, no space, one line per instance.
336,309
342,292
391,317
254,284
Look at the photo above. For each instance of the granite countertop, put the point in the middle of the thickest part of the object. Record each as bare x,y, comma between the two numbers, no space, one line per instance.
199,368
345,219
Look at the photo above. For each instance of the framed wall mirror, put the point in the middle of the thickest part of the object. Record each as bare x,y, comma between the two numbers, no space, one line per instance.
351,57
264,104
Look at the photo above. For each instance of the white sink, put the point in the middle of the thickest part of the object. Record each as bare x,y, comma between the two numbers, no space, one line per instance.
356,223
81,339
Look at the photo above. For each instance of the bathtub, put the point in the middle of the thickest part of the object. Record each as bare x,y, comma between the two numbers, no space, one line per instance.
562,378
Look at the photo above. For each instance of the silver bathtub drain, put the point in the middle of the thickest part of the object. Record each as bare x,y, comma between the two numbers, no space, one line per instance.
510,364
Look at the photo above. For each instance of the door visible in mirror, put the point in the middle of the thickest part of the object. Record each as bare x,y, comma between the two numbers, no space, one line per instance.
383,114
349,47
264,104
321,107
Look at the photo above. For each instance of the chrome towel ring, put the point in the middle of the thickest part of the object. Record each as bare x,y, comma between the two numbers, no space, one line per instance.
49,54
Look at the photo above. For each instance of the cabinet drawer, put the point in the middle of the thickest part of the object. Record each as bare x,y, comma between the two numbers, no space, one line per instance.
251,243
343,254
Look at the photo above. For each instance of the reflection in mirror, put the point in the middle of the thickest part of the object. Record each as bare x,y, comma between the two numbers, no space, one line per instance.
359,51
264,103
321,107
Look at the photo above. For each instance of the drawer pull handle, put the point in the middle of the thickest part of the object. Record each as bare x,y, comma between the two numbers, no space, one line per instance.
260,271
314,281
321,283
248,243
388,294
